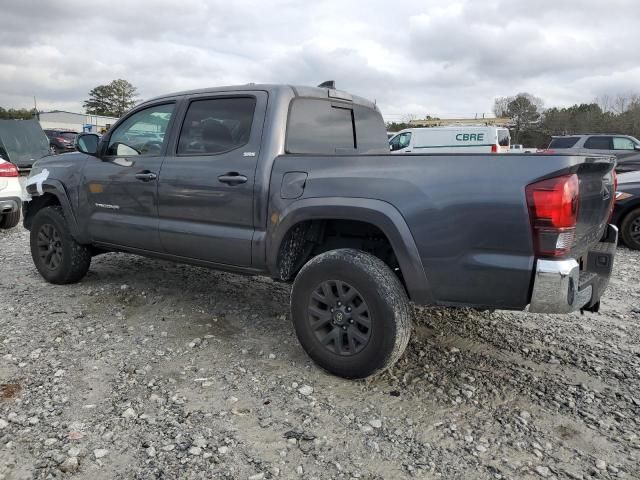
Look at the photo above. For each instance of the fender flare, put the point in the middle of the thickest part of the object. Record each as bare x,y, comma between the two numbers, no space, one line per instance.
56,188
376,212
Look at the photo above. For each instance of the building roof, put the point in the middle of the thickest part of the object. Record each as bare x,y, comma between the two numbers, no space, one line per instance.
78,114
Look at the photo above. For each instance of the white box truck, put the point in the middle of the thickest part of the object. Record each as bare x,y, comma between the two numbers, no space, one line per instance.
452,139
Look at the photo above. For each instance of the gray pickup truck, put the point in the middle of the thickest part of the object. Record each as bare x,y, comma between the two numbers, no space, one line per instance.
297,183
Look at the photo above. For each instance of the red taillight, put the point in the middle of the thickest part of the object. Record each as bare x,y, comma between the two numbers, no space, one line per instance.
8,170
494,148
553,211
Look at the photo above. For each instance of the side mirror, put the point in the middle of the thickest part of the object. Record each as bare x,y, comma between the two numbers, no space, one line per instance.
88,143
636,147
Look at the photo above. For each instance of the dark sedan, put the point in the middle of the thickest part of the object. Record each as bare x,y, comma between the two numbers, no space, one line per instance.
627,211
61,141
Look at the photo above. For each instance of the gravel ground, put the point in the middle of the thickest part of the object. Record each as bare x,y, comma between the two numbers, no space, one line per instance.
148,369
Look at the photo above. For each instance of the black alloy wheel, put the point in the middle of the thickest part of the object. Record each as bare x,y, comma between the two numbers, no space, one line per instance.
49,244
339,318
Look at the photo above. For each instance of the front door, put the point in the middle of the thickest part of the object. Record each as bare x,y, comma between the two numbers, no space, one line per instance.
206,185
121,187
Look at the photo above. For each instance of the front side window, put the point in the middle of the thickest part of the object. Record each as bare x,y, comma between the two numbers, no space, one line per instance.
216,125
143,133
405,140
598,143
621,143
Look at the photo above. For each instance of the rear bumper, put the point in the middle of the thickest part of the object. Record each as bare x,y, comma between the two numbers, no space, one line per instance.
561,286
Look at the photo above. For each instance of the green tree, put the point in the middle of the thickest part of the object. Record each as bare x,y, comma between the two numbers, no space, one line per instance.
524,110
112,100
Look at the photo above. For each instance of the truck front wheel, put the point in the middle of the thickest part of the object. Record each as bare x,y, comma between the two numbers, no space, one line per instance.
56,254
351,313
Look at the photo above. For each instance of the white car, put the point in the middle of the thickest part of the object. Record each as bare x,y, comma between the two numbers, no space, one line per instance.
462,139
11,195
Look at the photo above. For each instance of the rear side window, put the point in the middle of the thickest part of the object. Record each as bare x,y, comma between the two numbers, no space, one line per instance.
563,142
621,143
216,125
598,143
504,138
320,127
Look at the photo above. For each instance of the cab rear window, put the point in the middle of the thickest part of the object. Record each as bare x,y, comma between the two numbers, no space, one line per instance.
318,126
325,127
563,142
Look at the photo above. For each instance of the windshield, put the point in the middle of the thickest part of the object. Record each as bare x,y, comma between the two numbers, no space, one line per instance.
22,142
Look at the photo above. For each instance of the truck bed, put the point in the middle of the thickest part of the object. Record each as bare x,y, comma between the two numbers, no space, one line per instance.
467,214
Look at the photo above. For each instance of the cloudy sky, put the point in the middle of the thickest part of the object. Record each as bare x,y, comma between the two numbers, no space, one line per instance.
447,58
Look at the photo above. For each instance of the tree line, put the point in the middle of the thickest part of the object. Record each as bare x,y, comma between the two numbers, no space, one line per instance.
16,113
111,100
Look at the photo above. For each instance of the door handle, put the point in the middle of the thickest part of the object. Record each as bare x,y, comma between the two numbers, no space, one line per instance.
146,176
232,178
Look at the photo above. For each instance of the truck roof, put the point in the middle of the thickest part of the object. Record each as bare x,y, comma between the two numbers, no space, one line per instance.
298,91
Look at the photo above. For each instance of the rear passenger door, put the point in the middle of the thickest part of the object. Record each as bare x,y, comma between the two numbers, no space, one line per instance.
206,184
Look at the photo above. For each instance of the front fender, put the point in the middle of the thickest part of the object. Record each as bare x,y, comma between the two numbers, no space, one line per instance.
48,186
376,212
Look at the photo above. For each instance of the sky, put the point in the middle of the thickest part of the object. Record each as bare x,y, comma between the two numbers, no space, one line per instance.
414,58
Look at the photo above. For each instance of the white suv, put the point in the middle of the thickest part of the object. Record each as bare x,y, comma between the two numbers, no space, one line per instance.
11,195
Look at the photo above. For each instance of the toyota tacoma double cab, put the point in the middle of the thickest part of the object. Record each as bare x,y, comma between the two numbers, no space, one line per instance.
297,183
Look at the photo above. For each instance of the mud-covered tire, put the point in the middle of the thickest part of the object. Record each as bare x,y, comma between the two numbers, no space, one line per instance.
9,220
328,279
72,259
630,229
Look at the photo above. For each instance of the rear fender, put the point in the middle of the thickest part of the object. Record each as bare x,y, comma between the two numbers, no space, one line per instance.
376,212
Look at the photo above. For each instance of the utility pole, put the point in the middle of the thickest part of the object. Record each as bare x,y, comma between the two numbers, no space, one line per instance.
36,114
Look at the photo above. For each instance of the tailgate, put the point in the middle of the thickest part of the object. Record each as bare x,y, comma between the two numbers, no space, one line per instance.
597,194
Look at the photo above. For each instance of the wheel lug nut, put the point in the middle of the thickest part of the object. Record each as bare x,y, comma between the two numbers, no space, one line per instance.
331,309
348,309
351,321
344,328
339,303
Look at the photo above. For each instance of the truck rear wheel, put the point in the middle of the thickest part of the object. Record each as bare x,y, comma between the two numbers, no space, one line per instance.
351,313
630,229
56,254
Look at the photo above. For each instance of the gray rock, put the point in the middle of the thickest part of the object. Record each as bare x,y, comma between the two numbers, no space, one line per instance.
70,465
305,390
543,471
100,452
375,423
129,413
